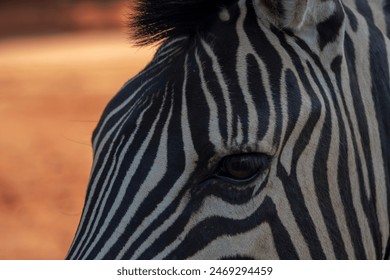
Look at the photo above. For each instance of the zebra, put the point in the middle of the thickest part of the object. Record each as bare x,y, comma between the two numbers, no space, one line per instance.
259,130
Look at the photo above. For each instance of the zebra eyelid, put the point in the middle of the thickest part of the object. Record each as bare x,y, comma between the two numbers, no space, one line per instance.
237,182
240,182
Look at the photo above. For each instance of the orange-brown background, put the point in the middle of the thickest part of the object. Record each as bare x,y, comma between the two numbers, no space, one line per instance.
60,63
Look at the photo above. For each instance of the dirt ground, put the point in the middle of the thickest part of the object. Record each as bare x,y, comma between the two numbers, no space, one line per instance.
52,92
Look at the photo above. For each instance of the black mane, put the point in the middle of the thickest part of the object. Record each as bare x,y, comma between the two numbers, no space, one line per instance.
152,21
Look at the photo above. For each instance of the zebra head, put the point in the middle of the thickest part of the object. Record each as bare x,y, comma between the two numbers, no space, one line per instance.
251,134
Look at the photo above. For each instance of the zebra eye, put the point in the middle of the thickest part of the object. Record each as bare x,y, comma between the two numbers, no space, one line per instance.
242,168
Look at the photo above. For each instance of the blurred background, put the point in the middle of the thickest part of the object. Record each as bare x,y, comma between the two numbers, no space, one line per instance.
61,61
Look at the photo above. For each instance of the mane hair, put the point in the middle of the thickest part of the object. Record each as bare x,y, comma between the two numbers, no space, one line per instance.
153,21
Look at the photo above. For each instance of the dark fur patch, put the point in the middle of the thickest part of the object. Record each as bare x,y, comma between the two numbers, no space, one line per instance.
154,21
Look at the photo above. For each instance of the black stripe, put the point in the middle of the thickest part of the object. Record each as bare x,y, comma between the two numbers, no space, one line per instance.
176,164
111,157
272,59
320,172
329,29
197,106
215,89
141,172
82,228
294,192
352,19
386,11
210,229
173,232
258,94
290,182
381,95
387,252
225,47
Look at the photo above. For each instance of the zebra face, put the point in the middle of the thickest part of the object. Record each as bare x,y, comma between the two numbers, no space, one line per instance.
237,142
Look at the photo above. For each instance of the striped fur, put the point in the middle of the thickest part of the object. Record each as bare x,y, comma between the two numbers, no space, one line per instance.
311,92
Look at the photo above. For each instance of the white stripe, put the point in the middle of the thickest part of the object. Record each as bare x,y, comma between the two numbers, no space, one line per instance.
93,219
214,129
157,172
190,163
305,165
126,181
225,90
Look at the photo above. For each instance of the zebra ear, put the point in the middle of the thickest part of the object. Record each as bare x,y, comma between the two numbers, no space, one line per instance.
294,14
